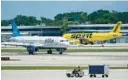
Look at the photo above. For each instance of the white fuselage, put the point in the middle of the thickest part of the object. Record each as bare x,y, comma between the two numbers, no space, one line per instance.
47,42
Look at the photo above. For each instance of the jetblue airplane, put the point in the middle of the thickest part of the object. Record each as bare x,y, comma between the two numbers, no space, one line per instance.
34,43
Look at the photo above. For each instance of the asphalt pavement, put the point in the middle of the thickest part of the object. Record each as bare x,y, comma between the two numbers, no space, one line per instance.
121,74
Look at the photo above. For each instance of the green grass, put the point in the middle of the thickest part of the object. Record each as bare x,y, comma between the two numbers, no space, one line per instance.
48,67
70,50
39,67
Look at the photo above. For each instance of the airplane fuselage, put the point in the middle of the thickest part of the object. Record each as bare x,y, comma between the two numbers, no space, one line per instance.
34,43
50,42
92,36
85,38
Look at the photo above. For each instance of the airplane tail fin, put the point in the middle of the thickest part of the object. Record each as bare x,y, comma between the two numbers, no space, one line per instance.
117,27
15,30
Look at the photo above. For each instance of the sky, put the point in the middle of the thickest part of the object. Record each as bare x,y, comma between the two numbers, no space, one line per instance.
48,9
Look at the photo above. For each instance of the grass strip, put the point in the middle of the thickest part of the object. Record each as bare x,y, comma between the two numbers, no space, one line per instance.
69,50
48,67
39,67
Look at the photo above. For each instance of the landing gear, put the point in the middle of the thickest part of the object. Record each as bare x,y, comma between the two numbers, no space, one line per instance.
91,43
61,50
102,43
30,50
49,51
85,43
30,53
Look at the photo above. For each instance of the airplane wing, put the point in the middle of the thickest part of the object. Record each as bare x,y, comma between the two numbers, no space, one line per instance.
22,44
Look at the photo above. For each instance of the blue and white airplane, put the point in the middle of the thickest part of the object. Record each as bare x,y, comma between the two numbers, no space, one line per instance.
34,43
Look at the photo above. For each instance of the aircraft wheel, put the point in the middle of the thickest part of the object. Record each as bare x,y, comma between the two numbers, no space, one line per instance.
76,75
94,75
31,53
102,45
106,75
86,43
102,75
91,43
91,75
68,75
49,51
30,50
61,52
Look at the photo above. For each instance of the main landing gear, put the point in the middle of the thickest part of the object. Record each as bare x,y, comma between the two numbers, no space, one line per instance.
31,50
49,51
59,50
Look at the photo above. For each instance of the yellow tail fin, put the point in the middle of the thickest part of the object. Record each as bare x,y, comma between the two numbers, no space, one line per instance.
117,27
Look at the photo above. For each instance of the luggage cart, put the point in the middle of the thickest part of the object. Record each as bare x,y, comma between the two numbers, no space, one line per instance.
98,70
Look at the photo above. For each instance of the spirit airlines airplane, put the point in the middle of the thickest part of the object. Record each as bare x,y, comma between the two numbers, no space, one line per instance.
34,43
90,38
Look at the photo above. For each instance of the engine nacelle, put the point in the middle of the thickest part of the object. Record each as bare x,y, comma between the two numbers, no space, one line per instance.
36,49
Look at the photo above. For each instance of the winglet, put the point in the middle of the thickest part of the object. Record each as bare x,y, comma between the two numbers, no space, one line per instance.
15,30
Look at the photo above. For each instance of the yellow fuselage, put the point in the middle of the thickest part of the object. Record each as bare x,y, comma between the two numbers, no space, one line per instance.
92,36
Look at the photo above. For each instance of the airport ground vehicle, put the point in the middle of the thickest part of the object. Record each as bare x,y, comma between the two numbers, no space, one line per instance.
75,73
98,70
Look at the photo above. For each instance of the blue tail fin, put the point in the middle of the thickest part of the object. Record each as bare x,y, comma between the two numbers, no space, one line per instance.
15,31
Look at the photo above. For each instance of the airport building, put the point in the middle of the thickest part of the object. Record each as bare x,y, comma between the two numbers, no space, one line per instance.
6,32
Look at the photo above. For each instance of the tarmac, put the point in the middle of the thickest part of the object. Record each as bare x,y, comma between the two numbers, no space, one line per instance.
113,59
121,74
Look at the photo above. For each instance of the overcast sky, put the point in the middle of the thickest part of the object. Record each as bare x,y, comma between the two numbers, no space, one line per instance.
48,9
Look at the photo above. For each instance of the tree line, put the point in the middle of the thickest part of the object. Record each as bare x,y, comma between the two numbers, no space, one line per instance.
96,17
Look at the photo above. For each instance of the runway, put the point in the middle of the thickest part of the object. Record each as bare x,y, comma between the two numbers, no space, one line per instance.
80,46
113,59
58,75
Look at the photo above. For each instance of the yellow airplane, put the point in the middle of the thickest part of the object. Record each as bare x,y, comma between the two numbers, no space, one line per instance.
91,38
